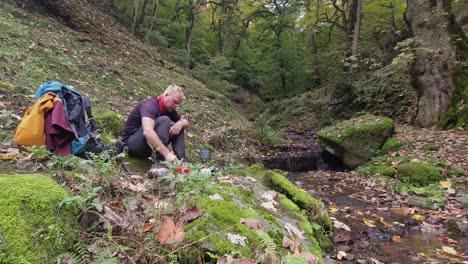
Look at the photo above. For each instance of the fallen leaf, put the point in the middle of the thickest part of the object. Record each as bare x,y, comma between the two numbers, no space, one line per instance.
148,227
251,223
341,255
216,197
170,233
192,214
309,257
449,250
292,245
339,225
418,217
446,184
369,223
396,239
8,154
293,231
341,238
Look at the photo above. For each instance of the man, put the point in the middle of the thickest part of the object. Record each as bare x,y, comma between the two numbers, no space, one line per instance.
154,123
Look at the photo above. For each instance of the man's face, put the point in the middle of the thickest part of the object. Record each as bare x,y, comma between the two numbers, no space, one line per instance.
172,101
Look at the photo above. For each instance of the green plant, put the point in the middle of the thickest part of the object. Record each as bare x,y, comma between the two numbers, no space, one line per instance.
190,184
269,244
88,201
268,136
63,163
39,153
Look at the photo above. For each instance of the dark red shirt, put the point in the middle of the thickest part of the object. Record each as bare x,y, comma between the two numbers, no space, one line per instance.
148,108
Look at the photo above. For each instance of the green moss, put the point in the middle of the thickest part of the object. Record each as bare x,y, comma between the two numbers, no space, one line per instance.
380,165
356,140
431,146
391,145
109,121
418,173
219,216
313,207
256,171
364,125
32,228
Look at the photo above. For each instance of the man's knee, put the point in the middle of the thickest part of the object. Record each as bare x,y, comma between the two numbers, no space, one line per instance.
163,120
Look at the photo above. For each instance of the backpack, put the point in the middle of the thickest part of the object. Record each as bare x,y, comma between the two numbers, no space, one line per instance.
79,113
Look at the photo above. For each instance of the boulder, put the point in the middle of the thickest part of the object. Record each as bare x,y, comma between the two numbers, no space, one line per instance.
32,229
418,173
243,214
356,140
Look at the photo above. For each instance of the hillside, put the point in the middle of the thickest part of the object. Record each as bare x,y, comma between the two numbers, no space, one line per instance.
94,54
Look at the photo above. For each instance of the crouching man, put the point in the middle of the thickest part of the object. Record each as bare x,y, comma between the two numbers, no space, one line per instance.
154,123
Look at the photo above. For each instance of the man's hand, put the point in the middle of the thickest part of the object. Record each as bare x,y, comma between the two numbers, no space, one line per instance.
171,157
176,128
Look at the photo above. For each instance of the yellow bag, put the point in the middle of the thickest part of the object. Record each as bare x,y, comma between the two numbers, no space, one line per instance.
30,131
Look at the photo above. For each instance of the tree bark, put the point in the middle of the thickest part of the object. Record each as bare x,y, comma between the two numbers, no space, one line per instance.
153,19
193,16
135,14
434,58
356,28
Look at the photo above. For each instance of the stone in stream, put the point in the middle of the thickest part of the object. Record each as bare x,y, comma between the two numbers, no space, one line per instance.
356,140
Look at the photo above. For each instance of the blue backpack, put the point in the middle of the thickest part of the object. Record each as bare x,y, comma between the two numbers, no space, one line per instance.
78,108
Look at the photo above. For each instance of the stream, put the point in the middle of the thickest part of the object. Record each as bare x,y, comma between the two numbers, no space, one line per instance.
372,224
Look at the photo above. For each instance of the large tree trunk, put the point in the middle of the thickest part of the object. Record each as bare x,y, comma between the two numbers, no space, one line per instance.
433,66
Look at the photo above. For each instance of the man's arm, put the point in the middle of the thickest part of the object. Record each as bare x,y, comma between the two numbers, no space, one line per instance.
153,139
177,127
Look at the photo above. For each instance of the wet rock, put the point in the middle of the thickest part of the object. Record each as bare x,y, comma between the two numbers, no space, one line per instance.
458,227
343,248
463,200
421,202
356,140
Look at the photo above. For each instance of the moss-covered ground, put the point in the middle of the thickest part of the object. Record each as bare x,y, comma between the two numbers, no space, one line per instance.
33,229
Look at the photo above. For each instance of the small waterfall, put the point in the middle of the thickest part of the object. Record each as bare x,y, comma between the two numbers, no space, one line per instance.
320,164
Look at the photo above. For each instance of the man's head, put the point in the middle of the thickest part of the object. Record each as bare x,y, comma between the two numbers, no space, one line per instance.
173,96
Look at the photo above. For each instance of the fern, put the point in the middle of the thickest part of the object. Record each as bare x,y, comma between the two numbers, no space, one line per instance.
269,244
105,257
80,255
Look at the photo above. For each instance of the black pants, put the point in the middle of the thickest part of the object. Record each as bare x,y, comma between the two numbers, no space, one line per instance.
139,148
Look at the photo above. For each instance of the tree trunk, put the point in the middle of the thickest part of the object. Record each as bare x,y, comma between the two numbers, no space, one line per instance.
135,18
356,28
153,19
193,16
434,59
141,18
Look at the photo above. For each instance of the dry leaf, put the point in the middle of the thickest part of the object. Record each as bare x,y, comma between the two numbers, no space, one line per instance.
170,233
341,255
369,223
446,184
293,231
449,250
309,257
8,154
396,239
192,214
148,227
251,223
294,246
339,225
418,217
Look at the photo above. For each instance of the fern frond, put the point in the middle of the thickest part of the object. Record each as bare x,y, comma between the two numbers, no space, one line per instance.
269,244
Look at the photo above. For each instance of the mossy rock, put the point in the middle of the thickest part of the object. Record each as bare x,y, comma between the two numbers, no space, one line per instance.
418,173
391,145
243,200
313,207
356,140
109,121
32,228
